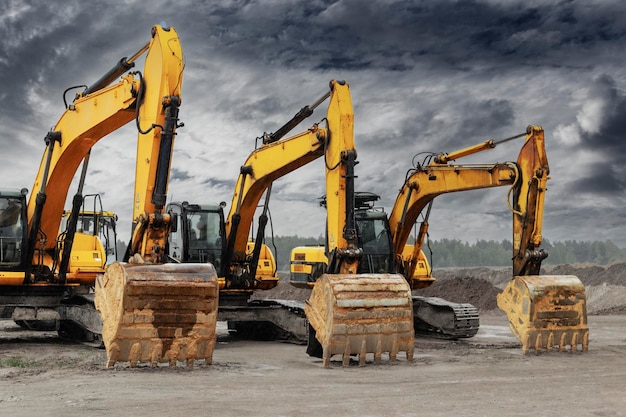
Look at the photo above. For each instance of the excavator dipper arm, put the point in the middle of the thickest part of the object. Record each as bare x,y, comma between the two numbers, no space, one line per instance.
152,311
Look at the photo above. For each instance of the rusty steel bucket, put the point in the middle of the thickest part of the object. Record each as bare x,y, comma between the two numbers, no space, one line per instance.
546,312
361,314
158,313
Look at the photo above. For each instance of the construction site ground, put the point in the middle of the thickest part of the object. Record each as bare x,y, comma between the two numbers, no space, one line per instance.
487,375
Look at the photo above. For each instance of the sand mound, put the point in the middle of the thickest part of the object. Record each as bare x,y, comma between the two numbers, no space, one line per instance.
605,286
476,291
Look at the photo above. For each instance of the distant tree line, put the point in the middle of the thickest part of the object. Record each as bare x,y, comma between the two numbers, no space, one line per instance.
455,253
447,253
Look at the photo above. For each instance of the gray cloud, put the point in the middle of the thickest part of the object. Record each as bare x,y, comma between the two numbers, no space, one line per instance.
602,128
425,76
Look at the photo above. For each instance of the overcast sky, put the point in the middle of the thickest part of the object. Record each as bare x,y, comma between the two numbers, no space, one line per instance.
424,76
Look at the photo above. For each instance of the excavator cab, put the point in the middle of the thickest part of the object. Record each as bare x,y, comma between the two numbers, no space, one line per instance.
373,238
373,235
95,240
198,233
12,231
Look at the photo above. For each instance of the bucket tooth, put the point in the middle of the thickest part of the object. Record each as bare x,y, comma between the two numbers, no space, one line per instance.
550,343
363,352
135,354
544,309
378,353
158,313
354,314
563,344
346,353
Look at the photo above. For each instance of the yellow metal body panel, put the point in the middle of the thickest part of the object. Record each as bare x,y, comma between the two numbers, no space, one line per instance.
421,277
307,263
266,274
11,278
87,259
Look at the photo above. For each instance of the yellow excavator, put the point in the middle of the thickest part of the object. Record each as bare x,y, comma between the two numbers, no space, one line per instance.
202,232
47,274
378,305
543,311
93,221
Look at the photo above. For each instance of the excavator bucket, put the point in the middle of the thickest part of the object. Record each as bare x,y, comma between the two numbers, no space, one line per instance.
361,314
547,311
158,313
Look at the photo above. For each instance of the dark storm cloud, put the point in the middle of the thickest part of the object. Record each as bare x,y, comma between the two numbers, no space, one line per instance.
473,119
323,35
425,76
611,133
43,40
608,139
605,180
228,185
396,36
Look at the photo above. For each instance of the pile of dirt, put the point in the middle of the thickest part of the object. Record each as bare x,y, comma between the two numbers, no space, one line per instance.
605,286
476,291
498,277
590,274
283,291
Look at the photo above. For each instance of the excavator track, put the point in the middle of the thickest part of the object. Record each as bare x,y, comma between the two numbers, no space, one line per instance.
546,312
440,318
158,313
361,314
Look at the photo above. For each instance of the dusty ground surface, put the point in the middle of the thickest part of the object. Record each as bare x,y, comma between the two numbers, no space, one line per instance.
487,375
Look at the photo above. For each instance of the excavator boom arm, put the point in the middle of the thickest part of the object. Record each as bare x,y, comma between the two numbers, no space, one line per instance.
264,166
278,157
543,311
88,120
527,178
153,311
424,185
